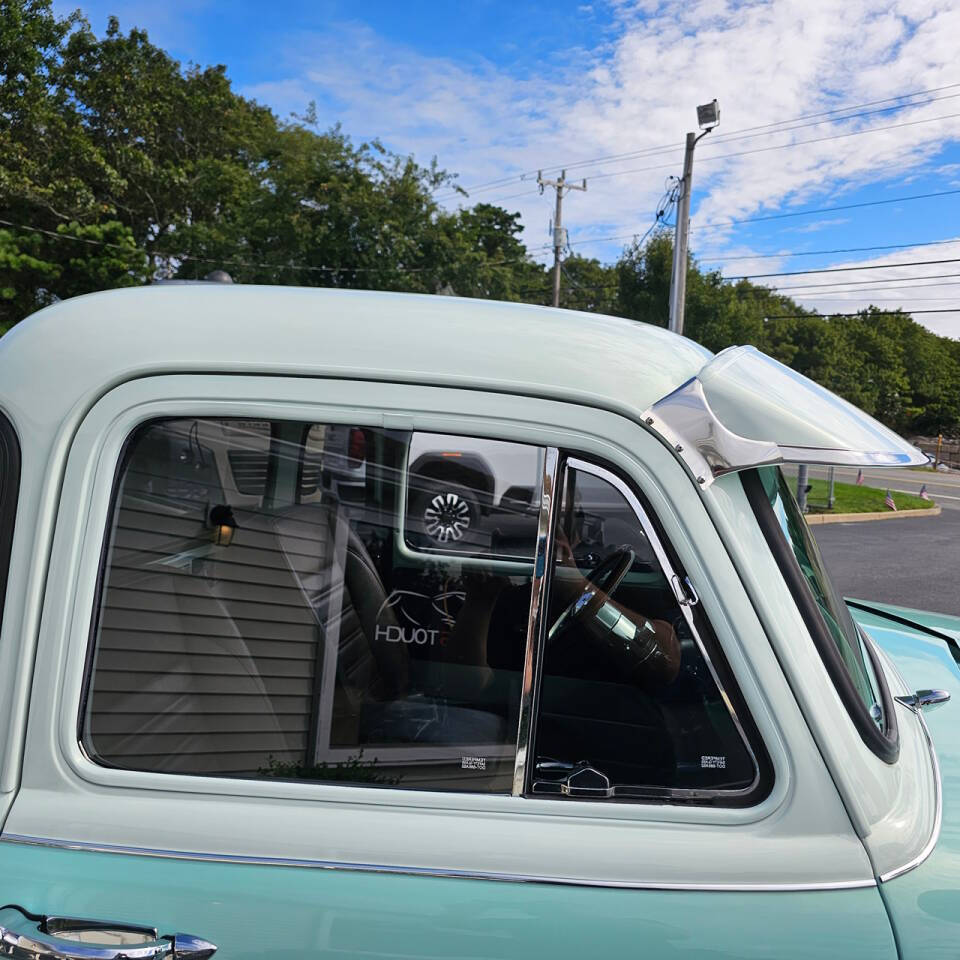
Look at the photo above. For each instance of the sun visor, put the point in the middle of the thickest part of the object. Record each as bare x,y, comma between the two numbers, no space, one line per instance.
745,409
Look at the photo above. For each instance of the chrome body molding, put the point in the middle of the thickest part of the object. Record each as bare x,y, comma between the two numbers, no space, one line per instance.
937,799
431,871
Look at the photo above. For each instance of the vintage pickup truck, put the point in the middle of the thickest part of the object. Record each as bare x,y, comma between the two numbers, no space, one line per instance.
250,712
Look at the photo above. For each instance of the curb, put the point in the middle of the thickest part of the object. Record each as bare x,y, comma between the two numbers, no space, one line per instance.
815,518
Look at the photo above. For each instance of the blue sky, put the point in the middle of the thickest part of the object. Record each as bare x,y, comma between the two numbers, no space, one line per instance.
496,90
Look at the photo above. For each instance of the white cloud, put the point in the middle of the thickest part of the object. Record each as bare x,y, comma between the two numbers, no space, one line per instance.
765,61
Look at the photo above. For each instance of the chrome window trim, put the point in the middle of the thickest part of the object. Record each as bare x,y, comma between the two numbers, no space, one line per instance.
536,623
937,800
78,845
584,466
687,423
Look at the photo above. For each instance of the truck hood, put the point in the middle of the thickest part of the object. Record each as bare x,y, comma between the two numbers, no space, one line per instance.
924,903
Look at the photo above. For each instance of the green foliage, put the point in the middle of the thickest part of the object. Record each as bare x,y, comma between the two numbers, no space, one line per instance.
118,166
353,770
98,132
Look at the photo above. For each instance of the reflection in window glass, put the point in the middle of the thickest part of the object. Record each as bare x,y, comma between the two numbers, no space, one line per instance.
263,614
9,488
832,608
473,497
629,707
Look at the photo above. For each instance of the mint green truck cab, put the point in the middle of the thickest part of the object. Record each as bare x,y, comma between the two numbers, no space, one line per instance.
622,712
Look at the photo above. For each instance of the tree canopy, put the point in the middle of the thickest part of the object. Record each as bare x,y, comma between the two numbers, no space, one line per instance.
120,166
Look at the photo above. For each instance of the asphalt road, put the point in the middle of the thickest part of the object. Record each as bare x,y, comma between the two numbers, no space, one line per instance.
914,561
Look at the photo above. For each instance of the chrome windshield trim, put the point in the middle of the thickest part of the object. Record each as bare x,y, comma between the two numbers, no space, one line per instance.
536,623
685,420
623,488
937,799
687,423
121,849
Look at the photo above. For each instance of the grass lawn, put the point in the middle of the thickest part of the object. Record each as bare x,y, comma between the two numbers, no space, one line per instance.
849,498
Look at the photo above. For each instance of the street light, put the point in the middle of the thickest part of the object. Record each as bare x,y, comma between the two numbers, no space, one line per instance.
708,117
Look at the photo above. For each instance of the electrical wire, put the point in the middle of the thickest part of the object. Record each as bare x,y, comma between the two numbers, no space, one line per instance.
719,224
743,133
830,316
709,258
191,258
848,269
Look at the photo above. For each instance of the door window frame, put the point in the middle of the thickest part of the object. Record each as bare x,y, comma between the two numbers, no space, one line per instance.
768,845
557,467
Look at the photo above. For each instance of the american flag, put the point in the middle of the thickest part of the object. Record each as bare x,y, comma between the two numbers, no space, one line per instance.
859,478
923,493
888,501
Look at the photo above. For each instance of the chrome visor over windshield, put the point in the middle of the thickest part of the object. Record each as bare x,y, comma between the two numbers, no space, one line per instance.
745,409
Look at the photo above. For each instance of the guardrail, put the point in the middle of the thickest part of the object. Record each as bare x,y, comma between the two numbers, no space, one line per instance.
942,449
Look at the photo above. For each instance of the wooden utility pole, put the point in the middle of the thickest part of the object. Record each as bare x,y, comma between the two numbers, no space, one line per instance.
559,235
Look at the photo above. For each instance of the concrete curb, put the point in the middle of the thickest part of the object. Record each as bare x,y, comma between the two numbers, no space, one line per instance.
815,518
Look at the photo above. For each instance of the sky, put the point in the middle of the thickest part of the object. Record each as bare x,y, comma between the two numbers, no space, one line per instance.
498,90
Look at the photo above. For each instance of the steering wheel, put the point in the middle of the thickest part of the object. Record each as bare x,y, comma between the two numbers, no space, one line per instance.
598,588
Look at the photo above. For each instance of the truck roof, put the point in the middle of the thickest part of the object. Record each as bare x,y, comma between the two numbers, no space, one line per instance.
72,352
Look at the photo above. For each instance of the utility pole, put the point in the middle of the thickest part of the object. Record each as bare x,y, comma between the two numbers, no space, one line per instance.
708,117
559,236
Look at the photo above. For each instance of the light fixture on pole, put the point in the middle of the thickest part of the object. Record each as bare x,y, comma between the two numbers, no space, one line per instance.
708,117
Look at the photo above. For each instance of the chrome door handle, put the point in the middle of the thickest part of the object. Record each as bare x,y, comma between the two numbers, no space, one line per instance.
26,937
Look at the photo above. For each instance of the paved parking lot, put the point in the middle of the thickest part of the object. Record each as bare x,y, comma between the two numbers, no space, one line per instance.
914,561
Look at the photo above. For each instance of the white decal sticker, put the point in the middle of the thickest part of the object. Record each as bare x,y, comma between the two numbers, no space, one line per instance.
473,763
713,763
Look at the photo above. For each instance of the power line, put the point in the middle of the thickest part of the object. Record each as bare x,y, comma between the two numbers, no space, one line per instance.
742,134
879,284
830,316
781,146
876,266
708,258
783,216
187,257
755,150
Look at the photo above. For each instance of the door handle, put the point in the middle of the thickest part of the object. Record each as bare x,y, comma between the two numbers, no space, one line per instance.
28,937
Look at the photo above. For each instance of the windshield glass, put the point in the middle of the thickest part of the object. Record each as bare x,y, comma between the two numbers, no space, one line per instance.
832,608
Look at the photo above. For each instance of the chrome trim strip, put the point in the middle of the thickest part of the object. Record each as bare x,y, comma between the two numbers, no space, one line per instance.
686,421
938,806
686,609
536,624
427,871
848,458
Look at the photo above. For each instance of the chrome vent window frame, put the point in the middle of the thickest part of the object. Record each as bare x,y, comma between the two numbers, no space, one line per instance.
762,781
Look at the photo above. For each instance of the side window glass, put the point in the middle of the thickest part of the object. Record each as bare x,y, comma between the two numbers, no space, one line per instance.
629,704
274,607
9,488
